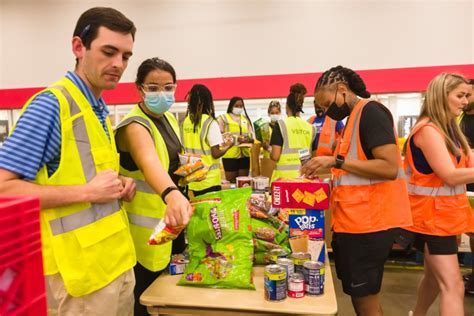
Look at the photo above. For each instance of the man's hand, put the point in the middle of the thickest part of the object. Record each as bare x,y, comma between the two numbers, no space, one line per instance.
129,188
178,209
316,164
105,187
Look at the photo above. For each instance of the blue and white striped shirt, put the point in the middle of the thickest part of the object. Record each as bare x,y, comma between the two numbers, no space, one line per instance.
36,139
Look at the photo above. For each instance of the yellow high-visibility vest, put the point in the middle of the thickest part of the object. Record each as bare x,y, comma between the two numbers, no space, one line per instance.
297,137
195,142
147,207
89,244
236,129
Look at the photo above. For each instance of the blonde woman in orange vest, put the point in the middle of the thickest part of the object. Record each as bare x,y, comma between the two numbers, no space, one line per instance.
328,132
369,197
438,164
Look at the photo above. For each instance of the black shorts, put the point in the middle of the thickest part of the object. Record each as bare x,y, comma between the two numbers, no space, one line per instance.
437,245
236,164
360,260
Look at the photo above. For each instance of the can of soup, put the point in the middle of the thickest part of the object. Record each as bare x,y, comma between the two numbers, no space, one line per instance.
296,285
299,258
243,182
313,272
261,184
275,283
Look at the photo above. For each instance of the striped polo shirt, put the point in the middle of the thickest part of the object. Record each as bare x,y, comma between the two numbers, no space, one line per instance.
36,139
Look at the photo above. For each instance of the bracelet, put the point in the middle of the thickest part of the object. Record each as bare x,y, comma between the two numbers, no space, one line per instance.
167,191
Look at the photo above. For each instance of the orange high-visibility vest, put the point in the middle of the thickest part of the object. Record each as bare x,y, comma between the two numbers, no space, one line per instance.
327,136
363,205
437,208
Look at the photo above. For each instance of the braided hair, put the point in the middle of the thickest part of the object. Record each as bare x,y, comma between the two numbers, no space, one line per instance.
200,102
300,91
343,75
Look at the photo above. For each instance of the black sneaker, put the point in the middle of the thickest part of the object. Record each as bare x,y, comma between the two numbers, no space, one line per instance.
467,277
469,286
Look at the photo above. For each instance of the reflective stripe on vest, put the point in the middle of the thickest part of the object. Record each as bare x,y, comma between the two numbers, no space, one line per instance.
352,179
285,150
96,211
227,128
325,142
202,136
143,221
444,190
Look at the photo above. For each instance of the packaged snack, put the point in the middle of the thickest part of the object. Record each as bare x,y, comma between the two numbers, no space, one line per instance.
300,193
178,264
220,241
187,169
265,231
306,222
164,233
197,176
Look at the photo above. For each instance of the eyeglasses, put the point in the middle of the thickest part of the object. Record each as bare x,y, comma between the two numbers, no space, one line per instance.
151,87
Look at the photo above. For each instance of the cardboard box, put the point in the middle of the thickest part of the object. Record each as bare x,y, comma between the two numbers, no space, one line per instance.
307,232
300,194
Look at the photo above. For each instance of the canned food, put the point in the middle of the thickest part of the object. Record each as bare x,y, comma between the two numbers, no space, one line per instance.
275,283
261,183
296,285
243,182
313,272
275,254
287,264
299,258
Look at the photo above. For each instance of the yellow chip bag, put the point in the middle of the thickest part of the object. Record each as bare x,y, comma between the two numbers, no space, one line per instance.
298,195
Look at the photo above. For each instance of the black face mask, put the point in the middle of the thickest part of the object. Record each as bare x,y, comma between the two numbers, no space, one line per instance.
338,113
319,113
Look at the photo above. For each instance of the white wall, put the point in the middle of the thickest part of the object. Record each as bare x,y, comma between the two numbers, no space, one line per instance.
204,38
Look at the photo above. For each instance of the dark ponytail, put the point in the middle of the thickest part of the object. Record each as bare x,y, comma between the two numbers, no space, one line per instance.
292,103
344,75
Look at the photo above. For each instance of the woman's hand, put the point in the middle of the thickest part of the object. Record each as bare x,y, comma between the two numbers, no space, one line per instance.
178,210
316,164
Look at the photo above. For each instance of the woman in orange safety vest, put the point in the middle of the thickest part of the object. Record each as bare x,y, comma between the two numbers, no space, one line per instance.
369,197
438,165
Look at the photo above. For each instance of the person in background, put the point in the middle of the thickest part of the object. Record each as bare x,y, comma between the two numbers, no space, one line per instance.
237,123
201,135
439,163
62,150
267,165
299,90
467,126
328,132
148,143
369,197
291,141
274,113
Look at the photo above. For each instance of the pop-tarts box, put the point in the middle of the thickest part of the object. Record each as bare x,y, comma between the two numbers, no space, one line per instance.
308,224
300,194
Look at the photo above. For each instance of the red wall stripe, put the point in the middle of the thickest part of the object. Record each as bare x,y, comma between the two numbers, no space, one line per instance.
397,80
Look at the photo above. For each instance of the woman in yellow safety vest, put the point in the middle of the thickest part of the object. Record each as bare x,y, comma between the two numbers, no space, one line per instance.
291,141
201,135
148,143
237,123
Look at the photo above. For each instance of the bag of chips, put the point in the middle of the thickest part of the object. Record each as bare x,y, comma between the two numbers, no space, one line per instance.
220,241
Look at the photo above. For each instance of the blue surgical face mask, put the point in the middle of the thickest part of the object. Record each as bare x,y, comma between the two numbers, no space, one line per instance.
158,102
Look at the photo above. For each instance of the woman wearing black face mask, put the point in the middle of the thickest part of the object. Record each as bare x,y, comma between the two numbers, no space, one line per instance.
369,197
328,132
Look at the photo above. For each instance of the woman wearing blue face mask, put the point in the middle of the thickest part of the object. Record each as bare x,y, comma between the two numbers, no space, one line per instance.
237,123
148,142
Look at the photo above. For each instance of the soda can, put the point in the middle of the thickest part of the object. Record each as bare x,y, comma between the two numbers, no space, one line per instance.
296,285
287,264
275,283
313,272
299,258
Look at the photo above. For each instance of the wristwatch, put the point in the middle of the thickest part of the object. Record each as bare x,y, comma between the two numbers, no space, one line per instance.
167,191
339,161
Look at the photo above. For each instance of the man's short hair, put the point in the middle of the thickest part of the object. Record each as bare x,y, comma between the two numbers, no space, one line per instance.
90,21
